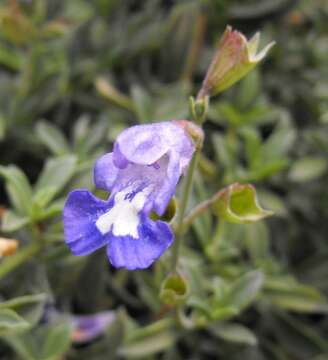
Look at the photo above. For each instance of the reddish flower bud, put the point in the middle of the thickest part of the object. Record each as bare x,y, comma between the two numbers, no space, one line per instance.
234,58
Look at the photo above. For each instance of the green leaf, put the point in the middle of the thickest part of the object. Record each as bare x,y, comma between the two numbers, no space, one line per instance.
21,347
267,169
149,330
40,200
11,322
45,342
257,240
57,342
273,202
244,290
142,103
18,188
298,337
279,142
3,125
11,58
54,209
11,221
307,169
92,136
243,11
320,357
148,346
55,175
44,196
252,145
300,303
223,313
52,138
29,307
238,204
230,113
249,89
287,293
111,94
17,303
235,333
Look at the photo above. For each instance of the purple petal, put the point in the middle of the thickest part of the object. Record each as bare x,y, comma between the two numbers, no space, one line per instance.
119,159
89,327
168,185
80,213
145,144
105,172
164,146
131,253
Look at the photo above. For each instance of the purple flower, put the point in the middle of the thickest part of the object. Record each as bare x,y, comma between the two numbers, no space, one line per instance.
88,327
141,175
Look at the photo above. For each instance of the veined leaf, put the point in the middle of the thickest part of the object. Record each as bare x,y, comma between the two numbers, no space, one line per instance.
18,188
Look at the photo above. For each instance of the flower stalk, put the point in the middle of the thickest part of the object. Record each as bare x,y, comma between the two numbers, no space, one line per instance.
197,134
182,209
197,211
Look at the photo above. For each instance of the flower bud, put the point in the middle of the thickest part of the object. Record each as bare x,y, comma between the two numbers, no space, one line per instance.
234,58
15,26
8,246
87,328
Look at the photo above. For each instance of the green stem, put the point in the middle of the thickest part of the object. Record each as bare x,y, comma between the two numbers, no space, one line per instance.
12,262
199,210
111,94
182,209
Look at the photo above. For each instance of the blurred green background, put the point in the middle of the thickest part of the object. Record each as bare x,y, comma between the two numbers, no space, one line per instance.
73,74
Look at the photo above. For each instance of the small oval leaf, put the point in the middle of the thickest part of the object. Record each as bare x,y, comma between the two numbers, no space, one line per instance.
11,322
12,221
18,188
307,169
244,290
55,175
235,333
52,138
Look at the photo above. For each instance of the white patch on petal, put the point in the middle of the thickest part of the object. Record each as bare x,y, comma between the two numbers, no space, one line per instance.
123,218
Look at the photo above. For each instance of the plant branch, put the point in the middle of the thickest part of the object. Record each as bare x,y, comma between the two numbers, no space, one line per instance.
182,209
199,210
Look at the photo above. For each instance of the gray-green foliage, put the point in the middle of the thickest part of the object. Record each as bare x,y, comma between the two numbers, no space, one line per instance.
73,75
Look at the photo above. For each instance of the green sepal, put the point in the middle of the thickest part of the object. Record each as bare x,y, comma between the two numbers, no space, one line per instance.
174,289
238,203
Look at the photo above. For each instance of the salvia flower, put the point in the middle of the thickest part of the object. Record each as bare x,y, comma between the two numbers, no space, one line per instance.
234,58
141,175
87,328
